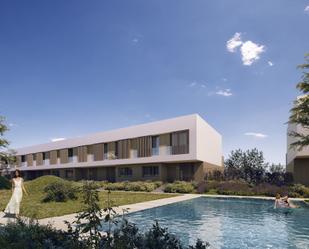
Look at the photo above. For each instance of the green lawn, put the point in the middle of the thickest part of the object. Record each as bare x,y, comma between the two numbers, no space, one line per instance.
32,205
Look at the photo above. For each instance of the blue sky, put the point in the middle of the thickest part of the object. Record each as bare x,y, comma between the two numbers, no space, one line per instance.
69,68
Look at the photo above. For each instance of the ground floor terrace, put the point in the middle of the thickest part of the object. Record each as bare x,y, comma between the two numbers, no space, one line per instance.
299,167
166,172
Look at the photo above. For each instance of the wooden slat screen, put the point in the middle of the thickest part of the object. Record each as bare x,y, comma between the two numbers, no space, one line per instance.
98,152
64,156
82,153
30,160
144,146
53,157
39,158
124,149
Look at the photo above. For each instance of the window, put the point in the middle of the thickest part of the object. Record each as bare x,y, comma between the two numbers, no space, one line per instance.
69,173
23,158
70,152
45,155
180,142
150,171
105,148
116,149
155,145
58,153
34,157
125,171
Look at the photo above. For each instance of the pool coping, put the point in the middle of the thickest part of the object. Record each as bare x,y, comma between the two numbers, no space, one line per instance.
58,222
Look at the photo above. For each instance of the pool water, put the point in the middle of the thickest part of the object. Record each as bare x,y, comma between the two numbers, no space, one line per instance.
230,223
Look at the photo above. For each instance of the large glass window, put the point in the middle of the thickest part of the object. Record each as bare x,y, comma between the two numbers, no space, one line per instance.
116,149
70,152
23,158
155,144
180,142
150,171
125,171
45,155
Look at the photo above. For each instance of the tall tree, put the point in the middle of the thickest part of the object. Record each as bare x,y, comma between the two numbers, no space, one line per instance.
6,156
300,111
248,165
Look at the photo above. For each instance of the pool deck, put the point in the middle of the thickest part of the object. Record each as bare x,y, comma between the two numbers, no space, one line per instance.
59,221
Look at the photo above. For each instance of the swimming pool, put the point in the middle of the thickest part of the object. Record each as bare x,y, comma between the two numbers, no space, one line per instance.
230,223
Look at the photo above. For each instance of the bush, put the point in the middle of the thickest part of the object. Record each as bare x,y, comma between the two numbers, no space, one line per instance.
60,192
179,187
144,186
299,190
267,189
4,183
20,235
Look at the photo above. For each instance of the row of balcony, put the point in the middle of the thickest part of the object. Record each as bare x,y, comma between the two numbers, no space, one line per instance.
159,151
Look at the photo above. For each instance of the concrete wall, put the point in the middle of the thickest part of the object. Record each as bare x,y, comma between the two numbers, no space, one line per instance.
208,143
301,171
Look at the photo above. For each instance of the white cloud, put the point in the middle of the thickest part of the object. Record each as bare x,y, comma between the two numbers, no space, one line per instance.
192,84
203,85
256,134
234,42
270,63
250,52
225,93
57,139
307,9
135,40
13,125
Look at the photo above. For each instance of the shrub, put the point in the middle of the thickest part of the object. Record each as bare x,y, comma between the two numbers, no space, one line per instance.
299,190
4,183
144,186
269,190
60,192
20,235
179,187
234,187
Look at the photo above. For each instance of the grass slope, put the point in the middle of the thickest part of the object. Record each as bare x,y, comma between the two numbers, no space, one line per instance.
32,205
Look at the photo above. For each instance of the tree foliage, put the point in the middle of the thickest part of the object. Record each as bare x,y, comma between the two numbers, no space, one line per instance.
300,111
248,165
6,156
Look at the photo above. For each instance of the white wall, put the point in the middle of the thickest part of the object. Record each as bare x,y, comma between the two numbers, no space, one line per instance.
209,143
292,153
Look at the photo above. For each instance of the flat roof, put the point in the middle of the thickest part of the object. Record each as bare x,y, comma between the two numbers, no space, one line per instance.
151,128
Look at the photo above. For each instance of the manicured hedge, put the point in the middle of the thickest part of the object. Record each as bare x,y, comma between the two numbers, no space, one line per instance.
144,186
180,187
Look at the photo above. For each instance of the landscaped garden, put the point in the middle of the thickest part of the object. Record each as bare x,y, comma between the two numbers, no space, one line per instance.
36,205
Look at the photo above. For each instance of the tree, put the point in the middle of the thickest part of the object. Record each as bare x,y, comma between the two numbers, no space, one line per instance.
300,111
6,156
248,165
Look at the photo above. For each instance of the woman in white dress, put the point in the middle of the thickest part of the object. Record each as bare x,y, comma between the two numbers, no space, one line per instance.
18,188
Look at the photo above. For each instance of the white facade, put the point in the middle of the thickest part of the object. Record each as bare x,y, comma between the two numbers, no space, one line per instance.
205,144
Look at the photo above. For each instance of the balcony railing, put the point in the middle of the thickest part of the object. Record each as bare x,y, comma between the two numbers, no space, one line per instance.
155,151
180,149
90,158
73,159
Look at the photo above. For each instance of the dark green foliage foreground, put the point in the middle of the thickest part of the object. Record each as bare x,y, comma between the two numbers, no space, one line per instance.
84,232
4,183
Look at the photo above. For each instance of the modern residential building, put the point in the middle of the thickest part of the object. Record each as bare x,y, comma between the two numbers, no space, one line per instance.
297,162
181,148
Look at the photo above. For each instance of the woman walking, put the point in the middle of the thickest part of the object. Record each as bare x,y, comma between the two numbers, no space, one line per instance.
18,188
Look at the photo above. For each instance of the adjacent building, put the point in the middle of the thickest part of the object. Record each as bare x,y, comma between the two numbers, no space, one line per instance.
181,148
297,162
